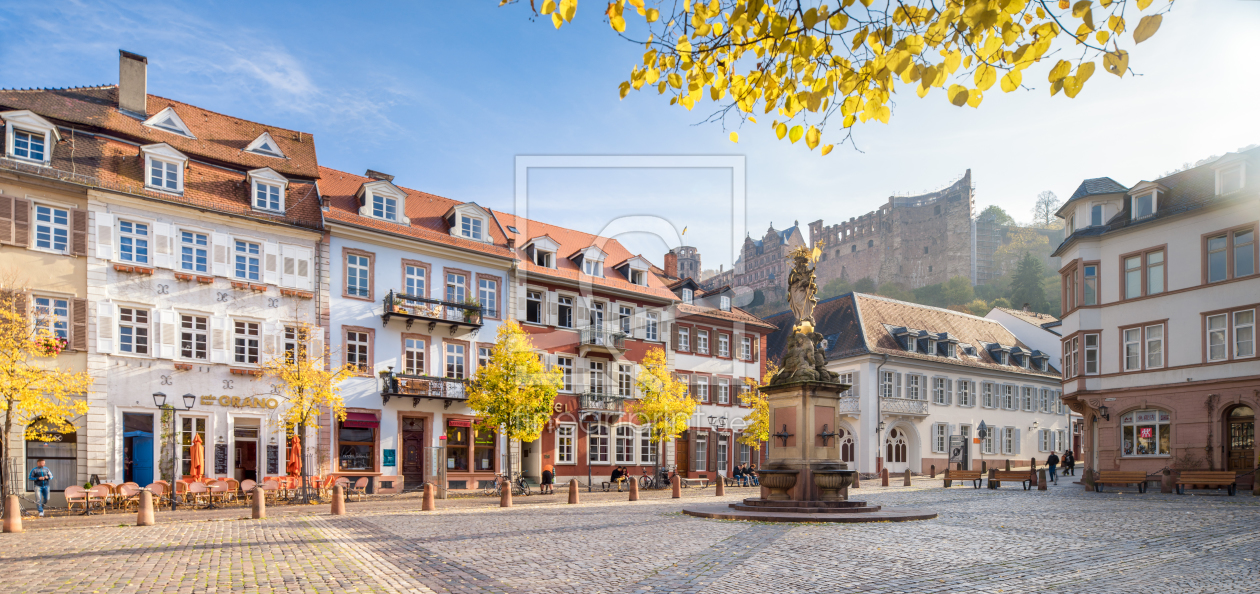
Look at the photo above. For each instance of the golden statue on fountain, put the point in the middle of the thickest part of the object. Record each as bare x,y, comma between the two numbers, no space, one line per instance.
803,359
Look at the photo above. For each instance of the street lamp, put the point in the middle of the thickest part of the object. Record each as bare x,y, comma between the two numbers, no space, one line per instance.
1104,412
159,400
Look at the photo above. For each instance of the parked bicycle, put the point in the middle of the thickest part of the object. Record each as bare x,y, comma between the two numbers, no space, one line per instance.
518,482
660,481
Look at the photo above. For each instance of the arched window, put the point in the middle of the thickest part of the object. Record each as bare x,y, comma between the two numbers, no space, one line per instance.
58,453
848,449
870,243
1146,432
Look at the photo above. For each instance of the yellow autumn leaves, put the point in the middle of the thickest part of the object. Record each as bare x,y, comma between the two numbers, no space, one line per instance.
809,63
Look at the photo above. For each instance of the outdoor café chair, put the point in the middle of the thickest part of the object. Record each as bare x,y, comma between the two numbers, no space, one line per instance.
76,495
360,488
271,489
128,493
161,493
99,493
199,492
247,490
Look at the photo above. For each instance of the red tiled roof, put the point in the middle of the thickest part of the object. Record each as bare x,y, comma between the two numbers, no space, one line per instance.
425,211
115,165
220,138
736,315
1031,317
570,241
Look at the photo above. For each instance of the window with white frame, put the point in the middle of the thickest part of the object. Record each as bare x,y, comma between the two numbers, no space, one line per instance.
625,319
1091,354
1146,433
940,437
414,281
456,287
248,257
1008,397
413,357
986,444
595,381
1216,330
292,341
1008,440
384,207
166,175
1045,441
724,390
701,463
1044,404
846,378
133,330
647,449
52,228
1155,346
724,345
914,387
1028,398
684,339
357,345
650,327
592,267
133,242
543,258
988,397
886,387
1133,349
193,337
566,372
357,275
470,227
1090,286
597,444
938,390
702,342
723,452
488,295
1245,333
745,454
564,443
724,303
625,385
456,361
534,307
52,315
638,277
1144,205
483,356
1096,215
687,296
702,389
564,312
245,342
1230,179
268,196
29,145
745,348
194,251
966,392
624,444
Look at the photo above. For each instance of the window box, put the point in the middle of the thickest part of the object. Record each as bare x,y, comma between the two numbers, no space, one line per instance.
124,268
184,276
145,271
183,367
297,293
259,288
241,371
205,280
240,285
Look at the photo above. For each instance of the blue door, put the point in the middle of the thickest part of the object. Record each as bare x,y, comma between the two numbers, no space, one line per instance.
141,457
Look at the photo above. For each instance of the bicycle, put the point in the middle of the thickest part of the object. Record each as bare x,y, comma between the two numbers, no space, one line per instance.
518,483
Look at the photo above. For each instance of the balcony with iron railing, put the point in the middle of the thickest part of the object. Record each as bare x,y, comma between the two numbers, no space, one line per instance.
591,402
592,338
411,308
403,385
904,406
849,405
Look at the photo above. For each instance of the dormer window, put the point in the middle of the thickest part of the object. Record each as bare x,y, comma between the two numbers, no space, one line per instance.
1071,224
544,259
169,121
164,167
725,303
1144,205
265,145
1230,179
470,227
267,189
950,349
687,296
592,268
638,277
28,136
931,347
1096,215
1004,358
384,207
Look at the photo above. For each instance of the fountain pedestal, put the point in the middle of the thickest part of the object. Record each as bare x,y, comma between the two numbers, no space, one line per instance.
803,418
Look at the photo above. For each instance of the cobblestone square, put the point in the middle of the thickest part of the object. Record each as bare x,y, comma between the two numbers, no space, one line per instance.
1008,540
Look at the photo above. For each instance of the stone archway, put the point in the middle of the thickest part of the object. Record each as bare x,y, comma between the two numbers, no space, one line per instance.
897,449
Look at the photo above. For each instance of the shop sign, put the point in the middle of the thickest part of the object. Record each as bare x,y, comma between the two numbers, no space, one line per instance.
240,401
389,457
1146,432
459,423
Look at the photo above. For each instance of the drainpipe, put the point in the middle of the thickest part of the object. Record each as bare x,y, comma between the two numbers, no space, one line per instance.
879,414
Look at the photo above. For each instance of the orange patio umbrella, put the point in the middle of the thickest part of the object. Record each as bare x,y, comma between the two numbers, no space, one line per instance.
198,468
294,464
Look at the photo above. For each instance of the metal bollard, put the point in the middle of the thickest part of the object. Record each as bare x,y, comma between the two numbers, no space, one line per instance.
144,516
427,505
338,501
573,491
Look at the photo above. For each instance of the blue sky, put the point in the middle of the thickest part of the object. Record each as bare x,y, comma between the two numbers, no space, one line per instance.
445,95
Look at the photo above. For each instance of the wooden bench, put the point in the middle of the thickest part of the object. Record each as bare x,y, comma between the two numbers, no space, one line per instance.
1207,479
975,476
1117,477
703,483
997,476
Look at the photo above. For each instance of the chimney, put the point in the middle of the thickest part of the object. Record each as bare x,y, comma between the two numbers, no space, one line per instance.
133,80
378,175
671,264
1025,308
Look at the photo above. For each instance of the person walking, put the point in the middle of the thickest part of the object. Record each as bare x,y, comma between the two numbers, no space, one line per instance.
548,478
1052,463
42,476
1069,463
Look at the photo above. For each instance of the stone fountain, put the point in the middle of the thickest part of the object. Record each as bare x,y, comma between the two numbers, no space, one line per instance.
804,479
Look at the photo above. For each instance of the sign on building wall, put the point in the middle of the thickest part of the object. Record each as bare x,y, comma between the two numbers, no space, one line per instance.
273,459
957,449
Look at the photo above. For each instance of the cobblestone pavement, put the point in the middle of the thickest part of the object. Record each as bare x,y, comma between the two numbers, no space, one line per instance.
1010,540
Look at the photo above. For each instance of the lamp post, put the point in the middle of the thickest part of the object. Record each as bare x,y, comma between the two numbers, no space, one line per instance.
159,400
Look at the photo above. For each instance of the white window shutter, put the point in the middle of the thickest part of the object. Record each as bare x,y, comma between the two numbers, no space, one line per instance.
638,325
315,345
104,236
164,323
949,392
897,388
163,250
105,327
271,264
553,308
581,313
854,388
1018,445
271,331
953,429
634,380
288,266
222,255
220,341
581,371
306,269
522,302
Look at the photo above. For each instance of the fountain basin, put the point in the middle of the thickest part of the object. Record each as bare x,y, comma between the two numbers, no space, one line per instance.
778,481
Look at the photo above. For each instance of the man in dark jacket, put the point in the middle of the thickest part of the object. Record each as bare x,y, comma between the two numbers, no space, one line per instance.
42,476
1052,463
1069,463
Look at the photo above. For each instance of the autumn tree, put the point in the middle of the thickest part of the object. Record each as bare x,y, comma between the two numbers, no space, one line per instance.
309,386
663,404
757,421
1044,210
1021,241
810,64
1027,284
513,393
997,215
35,394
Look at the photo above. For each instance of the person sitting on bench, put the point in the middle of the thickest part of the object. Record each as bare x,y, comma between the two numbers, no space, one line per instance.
738,475
617,477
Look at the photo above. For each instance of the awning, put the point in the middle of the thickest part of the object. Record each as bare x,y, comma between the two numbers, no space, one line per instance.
459,423
360,421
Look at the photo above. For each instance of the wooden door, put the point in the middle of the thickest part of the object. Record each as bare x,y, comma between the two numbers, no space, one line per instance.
413,458
682,452
1241,445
